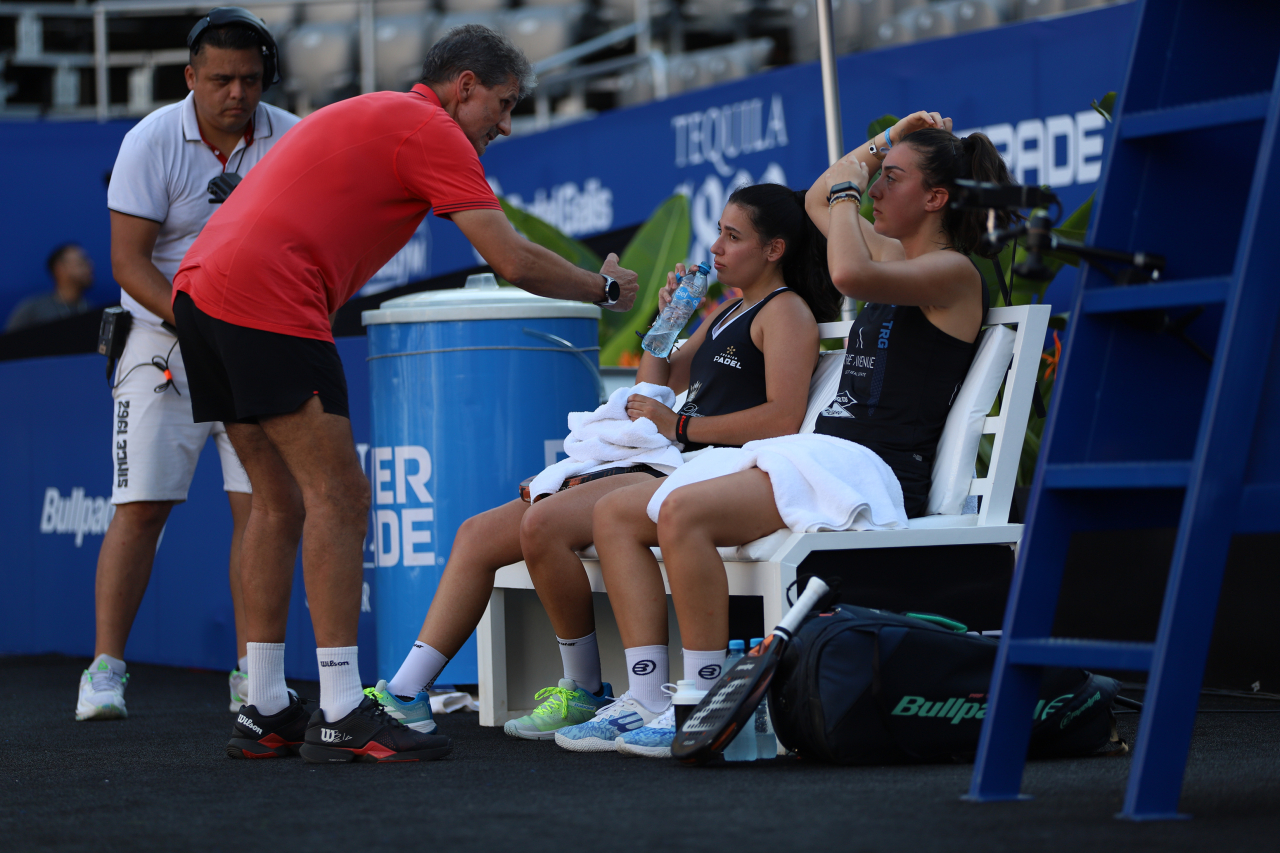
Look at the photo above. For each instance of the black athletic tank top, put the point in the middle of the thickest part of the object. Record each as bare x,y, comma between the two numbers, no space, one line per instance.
900,375
727,372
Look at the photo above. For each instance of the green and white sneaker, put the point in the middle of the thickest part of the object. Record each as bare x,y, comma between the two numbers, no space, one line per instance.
566,704
101,693
416,713
238,682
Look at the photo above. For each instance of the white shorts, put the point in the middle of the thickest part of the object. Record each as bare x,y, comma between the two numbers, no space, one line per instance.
154,444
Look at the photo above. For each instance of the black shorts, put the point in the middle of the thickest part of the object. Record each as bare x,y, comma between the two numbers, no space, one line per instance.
240,375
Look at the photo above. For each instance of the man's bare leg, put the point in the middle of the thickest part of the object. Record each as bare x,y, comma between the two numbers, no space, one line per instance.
124,568
319,452
241,505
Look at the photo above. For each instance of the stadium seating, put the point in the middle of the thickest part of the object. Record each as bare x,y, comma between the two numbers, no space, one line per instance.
400,42
329,13
543,31
319,59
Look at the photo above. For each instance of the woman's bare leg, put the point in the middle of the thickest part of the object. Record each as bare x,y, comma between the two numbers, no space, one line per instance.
551,533
624,535
484,543
694,521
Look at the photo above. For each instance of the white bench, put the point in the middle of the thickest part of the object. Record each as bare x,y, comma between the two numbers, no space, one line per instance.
516,645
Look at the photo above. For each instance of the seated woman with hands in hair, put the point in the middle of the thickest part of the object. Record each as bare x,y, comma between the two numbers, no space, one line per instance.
868,463
747,371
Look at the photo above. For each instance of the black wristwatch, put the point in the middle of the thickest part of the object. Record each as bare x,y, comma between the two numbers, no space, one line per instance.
612,290
842,187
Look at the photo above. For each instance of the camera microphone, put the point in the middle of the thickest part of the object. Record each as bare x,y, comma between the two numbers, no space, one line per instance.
982,194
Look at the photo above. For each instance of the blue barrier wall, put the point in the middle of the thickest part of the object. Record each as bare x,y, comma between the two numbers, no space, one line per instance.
1029,84
57,464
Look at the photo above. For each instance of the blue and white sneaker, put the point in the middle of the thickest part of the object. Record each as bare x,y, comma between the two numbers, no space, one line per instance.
600,732
416,713
652,740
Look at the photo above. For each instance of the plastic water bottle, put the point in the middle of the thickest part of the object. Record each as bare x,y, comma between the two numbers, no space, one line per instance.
662,336
766,740
743,746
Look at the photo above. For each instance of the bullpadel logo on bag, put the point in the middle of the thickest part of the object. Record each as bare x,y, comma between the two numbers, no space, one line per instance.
959,708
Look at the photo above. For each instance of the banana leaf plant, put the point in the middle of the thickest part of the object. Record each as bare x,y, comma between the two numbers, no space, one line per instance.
659,244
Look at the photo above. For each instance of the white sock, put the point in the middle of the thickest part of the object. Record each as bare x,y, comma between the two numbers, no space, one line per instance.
704,667
581,658
266,677
419,671
117,666
647,670
339,682
243,665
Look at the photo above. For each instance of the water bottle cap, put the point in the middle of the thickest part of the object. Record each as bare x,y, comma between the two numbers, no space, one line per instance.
737,646
756,641
705,267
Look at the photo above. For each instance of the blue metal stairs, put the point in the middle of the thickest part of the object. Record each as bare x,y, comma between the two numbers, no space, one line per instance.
1146,431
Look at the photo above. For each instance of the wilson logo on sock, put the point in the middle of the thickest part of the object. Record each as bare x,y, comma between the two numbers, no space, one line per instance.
247,723
335,662
709,672
333,736
643,667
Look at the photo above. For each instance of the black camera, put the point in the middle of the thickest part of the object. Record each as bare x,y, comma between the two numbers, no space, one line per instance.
220,187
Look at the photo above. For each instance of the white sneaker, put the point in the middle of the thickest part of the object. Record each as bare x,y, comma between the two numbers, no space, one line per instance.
239,684
654,739
101,693
600,732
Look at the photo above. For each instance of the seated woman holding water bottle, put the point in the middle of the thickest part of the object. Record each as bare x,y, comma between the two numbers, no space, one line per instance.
747,371
869,462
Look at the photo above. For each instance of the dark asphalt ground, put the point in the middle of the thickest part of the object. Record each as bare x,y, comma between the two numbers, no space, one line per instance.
161,781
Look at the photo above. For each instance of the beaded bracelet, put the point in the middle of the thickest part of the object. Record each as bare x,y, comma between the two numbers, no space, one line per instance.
853,197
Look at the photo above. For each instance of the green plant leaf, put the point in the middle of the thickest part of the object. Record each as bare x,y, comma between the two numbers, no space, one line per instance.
881,124
1106,106
656,248
549,237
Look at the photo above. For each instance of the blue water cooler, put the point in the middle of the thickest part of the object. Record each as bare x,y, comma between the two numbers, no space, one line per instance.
471,388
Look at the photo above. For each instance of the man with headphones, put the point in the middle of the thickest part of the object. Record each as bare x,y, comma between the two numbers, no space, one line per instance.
174,169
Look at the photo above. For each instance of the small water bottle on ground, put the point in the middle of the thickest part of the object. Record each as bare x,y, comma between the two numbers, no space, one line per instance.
685,699
662,336
743,746
766,740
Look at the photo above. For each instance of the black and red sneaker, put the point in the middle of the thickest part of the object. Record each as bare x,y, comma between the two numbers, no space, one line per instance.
256,735
369,734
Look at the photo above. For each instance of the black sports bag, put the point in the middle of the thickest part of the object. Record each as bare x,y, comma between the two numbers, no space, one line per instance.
860,686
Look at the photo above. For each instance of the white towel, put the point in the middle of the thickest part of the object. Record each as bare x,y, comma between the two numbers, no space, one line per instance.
819,482
607,435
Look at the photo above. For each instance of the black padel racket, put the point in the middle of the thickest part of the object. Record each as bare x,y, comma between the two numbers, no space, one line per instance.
733,699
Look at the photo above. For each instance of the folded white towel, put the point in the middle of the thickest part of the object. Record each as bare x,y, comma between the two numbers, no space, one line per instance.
819,482
607,435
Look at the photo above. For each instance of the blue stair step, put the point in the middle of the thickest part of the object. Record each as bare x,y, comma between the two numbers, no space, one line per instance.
1117,475
1100,654
1174,294
1198,116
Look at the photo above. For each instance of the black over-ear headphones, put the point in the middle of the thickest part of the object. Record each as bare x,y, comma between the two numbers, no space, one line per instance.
224,15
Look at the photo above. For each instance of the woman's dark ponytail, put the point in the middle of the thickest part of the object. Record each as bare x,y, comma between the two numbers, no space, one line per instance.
778,212
944,158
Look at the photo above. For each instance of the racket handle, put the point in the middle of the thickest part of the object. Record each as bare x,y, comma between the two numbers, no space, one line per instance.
808,600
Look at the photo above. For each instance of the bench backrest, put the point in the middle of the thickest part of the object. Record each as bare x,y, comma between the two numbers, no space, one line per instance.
1008,357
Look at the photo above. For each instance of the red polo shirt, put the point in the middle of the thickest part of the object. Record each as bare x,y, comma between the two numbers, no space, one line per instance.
336,198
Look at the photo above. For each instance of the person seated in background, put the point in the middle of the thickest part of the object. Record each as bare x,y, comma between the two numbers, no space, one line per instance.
747,370
868,463
72,274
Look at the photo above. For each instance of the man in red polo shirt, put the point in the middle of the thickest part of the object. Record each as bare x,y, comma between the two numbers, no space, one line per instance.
335,200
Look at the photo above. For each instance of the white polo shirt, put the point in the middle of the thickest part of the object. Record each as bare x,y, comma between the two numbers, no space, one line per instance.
163,171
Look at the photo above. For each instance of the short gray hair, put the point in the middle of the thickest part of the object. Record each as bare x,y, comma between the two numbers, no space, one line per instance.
491,56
